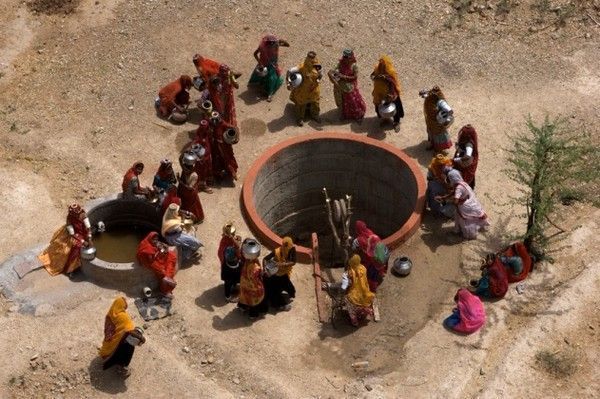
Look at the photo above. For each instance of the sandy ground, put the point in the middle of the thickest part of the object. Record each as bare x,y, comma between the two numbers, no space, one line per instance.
76,111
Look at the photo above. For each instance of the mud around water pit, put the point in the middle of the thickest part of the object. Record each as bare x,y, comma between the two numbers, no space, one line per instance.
51,7
406,305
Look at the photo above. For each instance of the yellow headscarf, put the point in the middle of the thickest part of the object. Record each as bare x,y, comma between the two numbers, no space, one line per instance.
281,255
116,324
437,164
380,87
359,293
171,219
309,90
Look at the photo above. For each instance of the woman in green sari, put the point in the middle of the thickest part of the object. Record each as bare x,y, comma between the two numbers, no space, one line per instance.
267,55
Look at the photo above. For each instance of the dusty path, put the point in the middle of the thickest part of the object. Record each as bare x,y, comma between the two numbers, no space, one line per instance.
76,112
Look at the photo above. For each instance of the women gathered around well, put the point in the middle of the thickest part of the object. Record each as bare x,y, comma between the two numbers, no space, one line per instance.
162,260
187,189
121,336
267,73
63,255
469,314
252,297
359,298
373,253
173,231
345,87
386,91
469,217
278,266
305,92
131,185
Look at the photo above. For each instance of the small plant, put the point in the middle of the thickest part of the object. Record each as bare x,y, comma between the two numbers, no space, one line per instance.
546,161
557,364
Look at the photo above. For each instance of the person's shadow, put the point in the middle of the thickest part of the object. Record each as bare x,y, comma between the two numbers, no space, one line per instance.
287,119
105,380
252,95
420,153
233,320
212,298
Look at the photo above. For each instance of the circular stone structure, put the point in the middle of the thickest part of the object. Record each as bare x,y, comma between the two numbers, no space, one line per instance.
119,213
282,193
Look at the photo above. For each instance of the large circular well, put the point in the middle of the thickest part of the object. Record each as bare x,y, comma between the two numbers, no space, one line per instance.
282,193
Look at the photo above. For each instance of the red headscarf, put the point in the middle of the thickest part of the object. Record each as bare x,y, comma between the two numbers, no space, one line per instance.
472,312
467,134
498,279
130,174
367,240
269,54
345,65
170,198
163,170
163,264
74,219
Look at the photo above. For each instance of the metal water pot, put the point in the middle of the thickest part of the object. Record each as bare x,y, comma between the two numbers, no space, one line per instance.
387,110
251,249
88,253
445,114
261,71
402,266
295,79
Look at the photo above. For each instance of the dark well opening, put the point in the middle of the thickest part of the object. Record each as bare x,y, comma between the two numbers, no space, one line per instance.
288,195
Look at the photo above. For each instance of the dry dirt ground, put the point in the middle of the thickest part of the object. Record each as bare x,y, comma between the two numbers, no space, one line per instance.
78,79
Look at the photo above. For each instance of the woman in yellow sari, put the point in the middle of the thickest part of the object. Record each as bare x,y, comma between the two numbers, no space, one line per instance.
308,93
359,299
386,89
252,290
284,258
120,336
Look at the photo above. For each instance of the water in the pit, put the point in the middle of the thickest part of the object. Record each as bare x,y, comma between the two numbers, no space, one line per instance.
119,244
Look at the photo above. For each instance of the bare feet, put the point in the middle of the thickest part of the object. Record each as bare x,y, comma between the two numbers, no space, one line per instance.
397,127
269,98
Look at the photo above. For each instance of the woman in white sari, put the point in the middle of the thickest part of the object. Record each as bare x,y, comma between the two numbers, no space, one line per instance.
470,216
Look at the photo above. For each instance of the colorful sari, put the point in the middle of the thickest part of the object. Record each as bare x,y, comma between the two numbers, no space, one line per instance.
175,93
116,324
252,290
221,94
437,186
467,167
203,166
470,216
350,100
367,242
188,192
63,255
227,241
206,67
359,299
437,134
519,249
163,264
268,56
222,157
494,282
469,314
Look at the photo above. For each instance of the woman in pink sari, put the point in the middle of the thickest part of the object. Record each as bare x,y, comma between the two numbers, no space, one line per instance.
469,217
367,242
345,87
469,314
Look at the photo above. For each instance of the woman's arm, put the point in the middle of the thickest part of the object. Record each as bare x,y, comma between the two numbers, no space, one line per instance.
256,52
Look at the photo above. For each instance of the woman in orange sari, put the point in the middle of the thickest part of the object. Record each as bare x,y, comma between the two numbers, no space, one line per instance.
386,88
117,348
252,290
156,255
63,255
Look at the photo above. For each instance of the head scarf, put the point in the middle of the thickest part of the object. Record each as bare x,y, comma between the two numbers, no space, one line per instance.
430,103
116,324
286,246
163,170
454,177
385,66
468,134
367,240
186,81
171,218
268,55
438,164
358,293
472,312
130,174
498,278
74,214
308,67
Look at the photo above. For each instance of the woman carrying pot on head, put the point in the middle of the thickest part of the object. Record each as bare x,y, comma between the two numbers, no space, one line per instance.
386,90
187,189
63,255
467,154
157,256
280,262
121,336
438,117
359,299
172,230
267,73
252,290
345,87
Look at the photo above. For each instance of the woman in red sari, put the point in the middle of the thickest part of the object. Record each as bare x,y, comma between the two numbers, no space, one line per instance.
131,186
170,198
229,239
188,192
221,88
223,160
156,255
345,87
467,155
203,166
367,243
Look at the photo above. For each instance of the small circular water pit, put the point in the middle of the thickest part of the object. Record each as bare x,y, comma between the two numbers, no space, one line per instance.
282,193
127,222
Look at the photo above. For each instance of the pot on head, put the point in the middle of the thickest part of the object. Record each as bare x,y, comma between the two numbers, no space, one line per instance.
88,253
250,249
231,136
294,79
189,159
387,110
207,106
402,266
